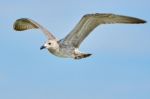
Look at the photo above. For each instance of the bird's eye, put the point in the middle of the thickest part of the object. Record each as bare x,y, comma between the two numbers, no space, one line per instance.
49,43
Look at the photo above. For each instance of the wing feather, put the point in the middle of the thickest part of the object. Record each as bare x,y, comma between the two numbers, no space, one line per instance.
90,21
26,24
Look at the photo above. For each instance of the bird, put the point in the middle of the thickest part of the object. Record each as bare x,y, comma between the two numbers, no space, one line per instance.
68,47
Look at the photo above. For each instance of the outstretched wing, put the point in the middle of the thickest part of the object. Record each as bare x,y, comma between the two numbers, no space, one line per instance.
90,21
26,24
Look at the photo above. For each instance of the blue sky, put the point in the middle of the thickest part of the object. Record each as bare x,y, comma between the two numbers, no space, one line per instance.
118,69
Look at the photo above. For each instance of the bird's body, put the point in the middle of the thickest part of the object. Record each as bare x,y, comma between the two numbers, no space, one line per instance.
63,50
68,46
66,51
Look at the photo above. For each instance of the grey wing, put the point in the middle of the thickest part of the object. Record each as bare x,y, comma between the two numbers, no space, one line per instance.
90,21
26,24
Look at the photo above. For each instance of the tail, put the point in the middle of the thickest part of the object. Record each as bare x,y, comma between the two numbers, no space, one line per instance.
82,55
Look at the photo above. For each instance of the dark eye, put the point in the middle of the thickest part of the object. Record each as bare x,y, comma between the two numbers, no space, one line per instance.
49,43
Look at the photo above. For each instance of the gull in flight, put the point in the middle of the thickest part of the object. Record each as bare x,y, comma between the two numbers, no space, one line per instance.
68,47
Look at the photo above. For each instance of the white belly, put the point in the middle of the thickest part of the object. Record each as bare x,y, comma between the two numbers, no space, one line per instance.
62,53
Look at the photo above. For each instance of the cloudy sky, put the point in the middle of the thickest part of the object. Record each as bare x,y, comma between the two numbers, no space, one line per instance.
118,69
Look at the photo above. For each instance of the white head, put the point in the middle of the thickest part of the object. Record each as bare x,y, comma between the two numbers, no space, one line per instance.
50,44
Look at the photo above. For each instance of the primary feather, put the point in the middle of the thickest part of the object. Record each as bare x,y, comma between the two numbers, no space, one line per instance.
90,21
26,24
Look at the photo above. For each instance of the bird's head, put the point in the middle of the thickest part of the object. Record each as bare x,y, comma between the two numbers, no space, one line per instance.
50,44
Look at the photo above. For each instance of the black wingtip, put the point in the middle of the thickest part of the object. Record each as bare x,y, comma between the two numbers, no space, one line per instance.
139,22
142,21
